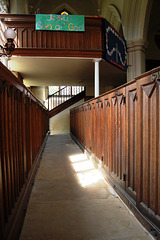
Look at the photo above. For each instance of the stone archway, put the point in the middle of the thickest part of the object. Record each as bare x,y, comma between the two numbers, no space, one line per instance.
112,11
153,37
64,6
135,20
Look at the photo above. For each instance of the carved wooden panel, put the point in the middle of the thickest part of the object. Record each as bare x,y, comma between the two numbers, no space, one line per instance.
99,129
131,139
20,140
149,142
93,117
88,126
126,131
117,167
107,122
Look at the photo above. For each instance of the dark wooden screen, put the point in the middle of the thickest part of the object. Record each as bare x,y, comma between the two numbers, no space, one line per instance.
23,127
122,129
54,43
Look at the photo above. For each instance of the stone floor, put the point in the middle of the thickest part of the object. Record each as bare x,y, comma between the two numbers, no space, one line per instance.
71,201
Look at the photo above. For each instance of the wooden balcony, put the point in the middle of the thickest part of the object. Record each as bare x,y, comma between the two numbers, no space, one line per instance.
31,42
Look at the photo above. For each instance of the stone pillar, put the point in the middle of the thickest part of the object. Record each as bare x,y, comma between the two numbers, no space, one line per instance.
136,58
96,77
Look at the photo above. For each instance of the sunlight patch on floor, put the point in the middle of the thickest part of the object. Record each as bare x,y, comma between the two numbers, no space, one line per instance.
89,178
86,173
78,157
83,166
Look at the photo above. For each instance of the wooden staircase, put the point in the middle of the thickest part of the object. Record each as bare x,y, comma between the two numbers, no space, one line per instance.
67,104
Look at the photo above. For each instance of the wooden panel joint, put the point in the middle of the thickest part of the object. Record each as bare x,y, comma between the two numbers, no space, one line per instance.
93,107
116,93
156,77
107,103
124,177
10,91
149,89
124,100
3,85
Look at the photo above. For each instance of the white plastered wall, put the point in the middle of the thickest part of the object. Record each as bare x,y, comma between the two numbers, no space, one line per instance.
61,122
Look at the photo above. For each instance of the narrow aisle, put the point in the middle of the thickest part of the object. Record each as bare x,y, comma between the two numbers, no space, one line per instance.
70,200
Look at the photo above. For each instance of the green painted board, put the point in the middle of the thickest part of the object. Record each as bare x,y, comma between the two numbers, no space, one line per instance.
60,22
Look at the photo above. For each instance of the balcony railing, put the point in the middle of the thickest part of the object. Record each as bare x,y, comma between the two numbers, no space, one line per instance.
122,130
50,43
